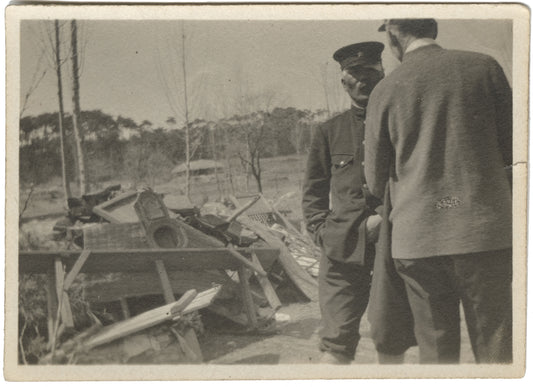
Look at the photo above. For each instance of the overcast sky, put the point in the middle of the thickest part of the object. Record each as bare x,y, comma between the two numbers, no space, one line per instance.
133,68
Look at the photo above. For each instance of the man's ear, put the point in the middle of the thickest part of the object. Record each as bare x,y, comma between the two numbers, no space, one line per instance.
344,86
393,39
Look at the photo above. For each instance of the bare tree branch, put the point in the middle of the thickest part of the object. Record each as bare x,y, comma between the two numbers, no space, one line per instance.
35,81
26,203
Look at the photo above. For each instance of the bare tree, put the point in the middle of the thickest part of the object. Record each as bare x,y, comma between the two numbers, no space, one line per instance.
174,81
186,102
328,76
255,131
58,63
324,81
51,47
254,134
76,111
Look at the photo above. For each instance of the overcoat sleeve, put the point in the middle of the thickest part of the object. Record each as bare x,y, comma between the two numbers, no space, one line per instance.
378,146
503,109
315,195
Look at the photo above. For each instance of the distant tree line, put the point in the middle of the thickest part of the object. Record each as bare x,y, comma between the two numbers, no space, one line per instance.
119,147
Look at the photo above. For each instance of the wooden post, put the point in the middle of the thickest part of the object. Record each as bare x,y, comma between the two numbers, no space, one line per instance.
165,282
125,308
51,303
247,299
302,279
246,262
66,312
267,287
189,344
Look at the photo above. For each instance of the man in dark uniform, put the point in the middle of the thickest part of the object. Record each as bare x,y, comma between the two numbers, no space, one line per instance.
340,213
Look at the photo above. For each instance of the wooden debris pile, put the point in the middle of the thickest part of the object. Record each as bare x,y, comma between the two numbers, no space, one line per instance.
299,244
307,255
136,246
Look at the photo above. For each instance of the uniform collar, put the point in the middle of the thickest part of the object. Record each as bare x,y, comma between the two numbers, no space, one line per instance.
358,110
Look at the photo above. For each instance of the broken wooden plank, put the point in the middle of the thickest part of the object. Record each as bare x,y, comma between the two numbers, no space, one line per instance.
189,344
141,260
144,320
51,305
247,300
202,300
119,209
267,287
286,222
73,273
239,210
303,280
164,281
250,265
63,299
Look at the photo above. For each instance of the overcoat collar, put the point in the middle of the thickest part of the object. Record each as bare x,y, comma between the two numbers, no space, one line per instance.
424,50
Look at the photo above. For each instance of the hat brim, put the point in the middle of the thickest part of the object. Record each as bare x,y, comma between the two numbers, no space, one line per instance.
382,28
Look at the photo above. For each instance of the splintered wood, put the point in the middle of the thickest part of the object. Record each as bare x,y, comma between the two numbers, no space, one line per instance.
307,256
300,246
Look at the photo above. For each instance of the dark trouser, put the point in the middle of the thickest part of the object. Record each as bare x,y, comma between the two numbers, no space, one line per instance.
482,282
343,290
389,314
391,320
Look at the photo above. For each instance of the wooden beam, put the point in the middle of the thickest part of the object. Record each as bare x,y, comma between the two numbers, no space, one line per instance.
119,209
267,287
239,210
125,308
250,265
51,304
73,273
142,284
189,344
302,279
63,300
141,260
247,300
164,281
202,300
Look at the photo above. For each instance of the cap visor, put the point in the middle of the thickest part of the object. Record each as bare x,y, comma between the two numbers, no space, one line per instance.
382,28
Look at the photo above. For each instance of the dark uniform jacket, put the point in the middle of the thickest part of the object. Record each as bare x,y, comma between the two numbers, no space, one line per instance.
440,130
335,165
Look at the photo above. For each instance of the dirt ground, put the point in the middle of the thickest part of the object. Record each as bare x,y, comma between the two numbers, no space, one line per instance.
295,342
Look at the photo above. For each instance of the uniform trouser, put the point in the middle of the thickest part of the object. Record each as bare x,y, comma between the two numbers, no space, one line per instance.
482,283
343,291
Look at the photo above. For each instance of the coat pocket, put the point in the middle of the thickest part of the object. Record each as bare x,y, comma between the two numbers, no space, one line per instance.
340,162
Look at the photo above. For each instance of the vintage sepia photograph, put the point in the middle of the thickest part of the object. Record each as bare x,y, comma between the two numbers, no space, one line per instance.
201,192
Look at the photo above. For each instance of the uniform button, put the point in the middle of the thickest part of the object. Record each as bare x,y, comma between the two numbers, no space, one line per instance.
362,163
363,142
365,186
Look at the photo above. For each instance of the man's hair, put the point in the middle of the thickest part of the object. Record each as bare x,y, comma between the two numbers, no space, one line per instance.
419,28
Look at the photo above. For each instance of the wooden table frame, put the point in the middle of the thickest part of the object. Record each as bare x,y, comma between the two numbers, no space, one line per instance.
62,267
